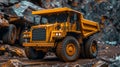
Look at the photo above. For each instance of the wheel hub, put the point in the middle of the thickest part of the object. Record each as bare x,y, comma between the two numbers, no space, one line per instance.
94,48
70,49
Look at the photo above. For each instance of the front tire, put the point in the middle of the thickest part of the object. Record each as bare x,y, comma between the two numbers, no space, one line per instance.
32,54
68,50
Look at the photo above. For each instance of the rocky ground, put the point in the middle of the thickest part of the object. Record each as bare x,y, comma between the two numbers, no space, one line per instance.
108,57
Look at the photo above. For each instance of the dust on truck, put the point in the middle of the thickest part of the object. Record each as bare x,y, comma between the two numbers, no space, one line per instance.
63,31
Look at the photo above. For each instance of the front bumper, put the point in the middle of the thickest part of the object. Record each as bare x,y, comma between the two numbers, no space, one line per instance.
38,44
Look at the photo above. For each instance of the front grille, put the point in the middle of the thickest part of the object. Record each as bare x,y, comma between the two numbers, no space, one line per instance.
39,34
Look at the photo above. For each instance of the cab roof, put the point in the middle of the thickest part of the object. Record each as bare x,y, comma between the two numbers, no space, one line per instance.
54,10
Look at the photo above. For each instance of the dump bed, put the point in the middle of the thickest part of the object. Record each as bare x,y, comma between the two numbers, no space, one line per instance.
88,27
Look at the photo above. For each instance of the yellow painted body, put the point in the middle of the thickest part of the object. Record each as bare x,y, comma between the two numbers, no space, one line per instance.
53,33
89,27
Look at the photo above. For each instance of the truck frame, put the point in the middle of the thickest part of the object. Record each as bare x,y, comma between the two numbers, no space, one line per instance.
63,31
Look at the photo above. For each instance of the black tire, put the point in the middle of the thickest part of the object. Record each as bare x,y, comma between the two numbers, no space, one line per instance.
62,52
21,38
57,50
1,34
91,47
10,36
82,53
32,54
1,53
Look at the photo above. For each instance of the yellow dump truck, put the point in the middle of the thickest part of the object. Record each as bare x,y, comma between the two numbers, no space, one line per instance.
63,31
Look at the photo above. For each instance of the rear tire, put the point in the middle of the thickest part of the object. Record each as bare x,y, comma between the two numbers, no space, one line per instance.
68,50
32,54
91,47
10,36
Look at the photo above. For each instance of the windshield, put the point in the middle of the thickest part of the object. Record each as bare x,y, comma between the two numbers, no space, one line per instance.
54,18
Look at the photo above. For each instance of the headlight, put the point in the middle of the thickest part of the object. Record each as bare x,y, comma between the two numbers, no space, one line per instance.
58,34
25,35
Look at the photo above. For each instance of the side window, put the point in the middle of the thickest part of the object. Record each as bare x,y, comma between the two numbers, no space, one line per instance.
48,19
73,18
62,17
44,20
51,18
37,19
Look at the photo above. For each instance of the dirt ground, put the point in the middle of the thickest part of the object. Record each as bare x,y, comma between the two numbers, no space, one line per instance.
105,52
